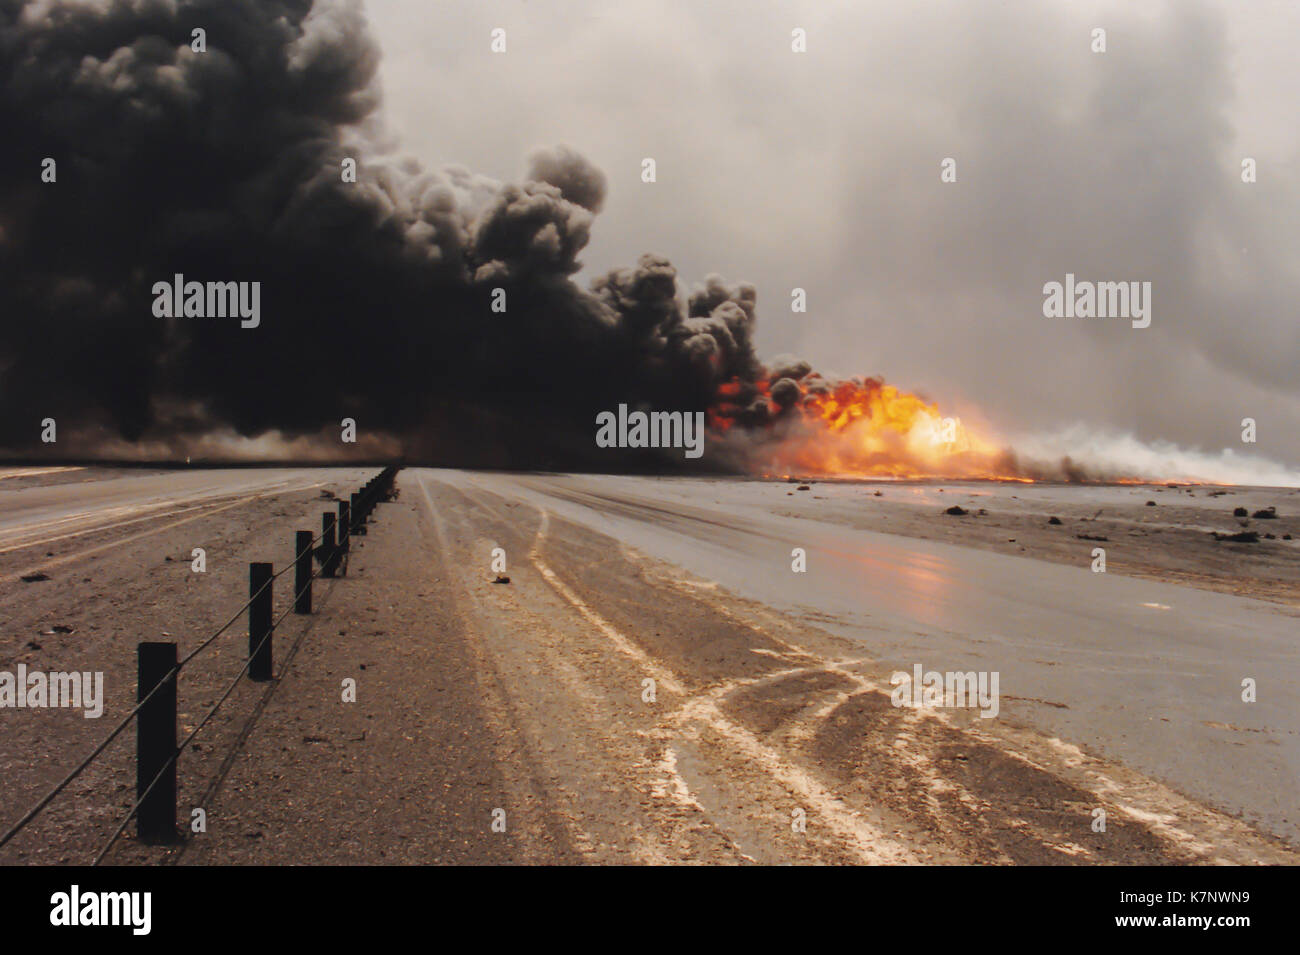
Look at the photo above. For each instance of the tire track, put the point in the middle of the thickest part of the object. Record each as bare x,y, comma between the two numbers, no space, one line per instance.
869,843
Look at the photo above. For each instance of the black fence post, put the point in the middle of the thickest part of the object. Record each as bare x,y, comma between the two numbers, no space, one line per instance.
155,747
344,525
259,622
329,557
302,573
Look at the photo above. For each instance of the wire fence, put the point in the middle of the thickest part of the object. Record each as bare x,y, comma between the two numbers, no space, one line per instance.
126,820
374,488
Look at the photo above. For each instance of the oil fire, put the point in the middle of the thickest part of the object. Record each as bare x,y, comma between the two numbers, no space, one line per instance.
856,428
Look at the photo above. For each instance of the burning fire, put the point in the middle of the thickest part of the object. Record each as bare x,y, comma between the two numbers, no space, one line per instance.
860,428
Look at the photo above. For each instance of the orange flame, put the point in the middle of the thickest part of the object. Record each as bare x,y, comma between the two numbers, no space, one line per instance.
860,428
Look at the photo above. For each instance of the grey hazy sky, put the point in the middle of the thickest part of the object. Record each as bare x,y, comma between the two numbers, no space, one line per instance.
821,170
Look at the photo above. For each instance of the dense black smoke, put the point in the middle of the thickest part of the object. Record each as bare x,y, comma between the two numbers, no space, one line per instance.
376,296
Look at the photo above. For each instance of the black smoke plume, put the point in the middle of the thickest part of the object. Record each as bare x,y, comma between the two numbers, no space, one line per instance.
225,165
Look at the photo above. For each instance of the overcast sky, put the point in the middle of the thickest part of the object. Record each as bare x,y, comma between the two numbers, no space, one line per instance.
822,170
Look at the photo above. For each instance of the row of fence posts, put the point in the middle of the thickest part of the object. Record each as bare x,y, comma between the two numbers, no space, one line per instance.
156,751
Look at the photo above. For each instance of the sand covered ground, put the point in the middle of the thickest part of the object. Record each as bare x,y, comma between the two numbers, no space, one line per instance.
1119,691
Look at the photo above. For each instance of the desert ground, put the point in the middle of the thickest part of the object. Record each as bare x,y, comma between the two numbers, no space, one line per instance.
650,680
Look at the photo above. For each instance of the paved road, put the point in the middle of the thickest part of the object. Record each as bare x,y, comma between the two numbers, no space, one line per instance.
1147,672
31,516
